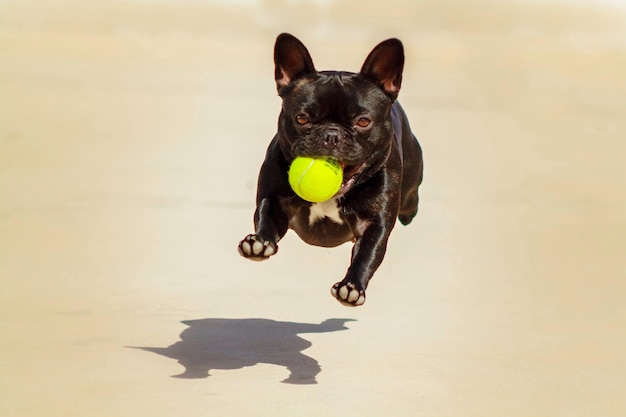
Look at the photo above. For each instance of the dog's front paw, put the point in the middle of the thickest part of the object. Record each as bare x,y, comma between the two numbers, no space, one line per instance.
256,249
348,294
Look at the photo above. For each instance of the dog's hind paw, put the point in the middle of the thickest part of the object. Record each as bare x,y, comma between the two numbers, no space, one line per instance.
256,249
348,294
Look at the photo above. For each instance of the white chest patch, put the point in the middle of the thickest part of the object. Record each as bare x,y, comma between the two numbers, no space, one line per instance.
327,209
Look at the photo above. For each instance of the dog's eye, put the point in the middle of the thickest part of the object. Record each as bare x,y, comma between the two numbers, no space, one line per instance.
363,122
302,119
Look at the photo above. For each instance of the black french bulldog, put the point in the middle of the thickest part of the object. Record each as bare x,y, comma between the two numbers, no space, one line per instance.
356,120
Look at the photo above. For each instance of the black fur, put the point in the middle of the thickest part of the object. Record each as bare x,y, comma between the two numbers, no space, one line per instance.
355,119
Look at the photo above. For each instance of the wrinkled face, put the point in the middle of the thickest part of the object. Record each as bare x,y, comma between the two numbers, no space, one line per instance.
336,114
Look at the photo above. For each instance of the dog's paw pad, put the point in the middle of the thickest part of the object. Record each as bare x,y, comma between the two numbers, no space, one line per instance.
348,294
252,247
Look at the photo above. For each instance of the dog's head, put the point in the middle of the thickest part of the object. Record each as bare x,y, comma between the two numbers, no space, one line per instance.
338,114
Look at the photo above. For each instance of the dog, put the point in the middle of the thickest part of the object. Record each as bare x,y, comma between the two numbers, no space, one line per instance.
353,118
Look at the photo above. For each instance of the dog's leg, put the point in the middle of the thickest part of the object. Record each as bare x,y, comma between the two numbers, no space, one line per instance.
372,222
372,226
367,255
270,218
411,179
270,224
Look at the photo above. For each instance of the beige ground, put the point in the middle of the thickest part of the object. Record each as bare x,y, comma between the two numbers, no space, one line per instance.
131,134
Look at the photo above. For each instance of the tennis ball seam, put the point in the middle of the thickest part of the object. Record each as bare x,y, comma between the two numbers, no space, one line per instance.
304,171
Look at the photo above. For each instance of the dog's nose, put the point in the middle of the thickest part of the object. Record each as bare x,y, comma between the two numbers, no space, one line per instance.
332,136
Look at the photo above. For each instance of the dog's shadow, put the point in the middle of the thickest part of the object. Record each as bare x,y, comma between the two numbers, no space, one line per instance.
235,343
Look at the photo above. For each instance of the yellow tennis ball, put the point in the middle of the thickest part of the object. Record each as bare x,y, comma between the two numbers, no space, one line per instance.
315,179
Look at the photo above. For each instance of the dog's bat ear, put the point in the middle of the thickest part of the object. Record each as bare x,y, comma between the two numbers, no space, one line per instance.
384,66
291,59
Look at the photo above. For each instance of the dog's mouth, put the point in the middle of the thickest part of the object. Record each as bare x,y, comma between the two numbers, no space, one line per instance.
350,175
351,172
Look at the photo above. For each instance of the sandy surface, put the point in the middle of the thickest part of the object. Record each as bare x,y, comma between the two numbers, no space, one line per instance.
131,134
